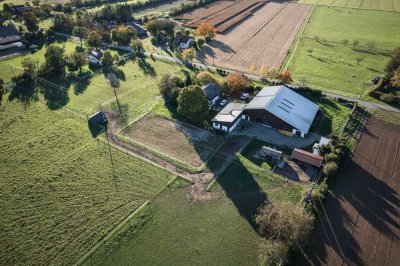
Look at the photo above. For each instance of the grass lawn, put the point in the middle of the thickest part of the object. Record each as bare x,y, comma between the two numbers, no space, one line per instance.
61,190
332,66
7,72
219,232
387,5
386,116
332,118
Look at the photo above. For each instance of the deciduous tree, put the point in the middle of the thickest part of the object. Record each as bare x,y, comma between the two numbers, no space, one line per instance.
79,32
193,104
395,80
286,77
55,58
123,35
237,81
31,21
78,60
205,77
206,30
189,54
94,39
137,46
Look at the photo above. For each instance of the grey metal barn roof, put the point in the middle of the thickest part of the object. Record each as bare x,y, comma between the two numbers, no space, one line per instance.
287,105
9,34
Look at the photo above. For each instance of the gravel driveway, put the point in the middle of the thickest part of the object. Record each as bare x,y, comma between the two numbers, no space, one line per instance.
272,136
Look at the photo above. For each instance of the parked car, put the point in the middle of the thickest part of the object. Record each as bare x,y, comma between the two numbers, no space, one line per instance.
264,79
244,96
223,102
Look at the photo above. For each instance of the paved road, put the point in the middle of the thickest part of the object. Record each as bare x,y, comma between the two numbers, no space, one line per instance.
367,104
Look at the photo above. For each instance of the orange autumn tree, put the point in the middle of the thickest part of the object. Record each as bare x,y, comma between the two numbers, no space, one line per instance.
206,30
286,77
237,81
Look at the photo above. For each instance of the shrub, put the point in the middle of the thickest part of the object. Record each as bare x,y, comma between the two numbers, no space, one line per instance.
331,157
330,169
205,77
389,98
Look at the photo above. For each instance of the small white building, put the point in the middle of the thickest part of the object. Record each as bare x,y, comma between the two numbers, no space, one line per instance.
229,117
94,57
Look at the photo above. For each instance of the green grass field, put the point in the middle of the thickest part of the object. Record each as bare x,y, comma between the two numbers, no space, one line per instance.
6,66
218,232
331,65
387,5
61,190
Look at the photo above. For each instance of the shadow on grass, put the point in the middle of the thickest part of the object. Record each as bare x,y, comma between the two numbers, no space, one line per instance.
147,68
25,92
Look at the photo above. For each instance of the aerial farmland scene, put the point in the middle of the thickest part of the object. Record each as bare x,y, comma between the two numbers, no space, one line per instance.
199,132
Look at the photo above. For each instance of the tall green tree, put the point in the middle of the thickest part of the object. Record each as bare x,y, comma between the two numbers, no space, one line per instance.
94,39
55,58
31,21
193,104
78,60
79,32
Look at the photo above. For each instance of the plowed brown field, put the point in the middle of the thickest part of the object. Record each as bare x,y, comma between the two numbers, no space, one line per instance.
263,38
364,212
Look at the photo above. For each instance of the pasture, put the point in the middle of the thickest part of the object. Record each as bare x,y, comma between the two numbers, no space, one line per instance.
182,142
322,60
61,190
261,39
218,231
387,5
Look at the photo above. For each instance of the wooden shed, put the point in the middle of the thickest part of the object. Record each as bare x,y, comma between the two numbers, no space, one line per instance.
307,157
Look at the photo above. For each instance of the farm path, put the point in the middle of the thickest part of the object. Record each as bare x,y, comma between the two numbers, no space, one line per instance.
200,180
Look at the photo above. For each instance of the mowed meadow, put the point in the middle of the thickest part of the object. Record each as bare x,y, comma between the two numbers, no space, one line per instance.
321,59
387,5
62,191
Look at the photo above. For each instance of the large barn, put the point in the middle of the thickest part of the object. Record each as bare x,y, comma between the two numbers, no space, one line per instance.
278,107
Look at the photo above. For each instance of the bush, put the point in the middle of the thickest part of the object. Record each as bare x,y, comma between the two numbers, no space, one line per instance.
273,252
389,98
330,169
331,157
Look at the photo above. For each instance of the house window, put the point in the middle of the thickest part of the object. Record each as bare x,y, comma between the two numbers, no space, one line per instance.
216,125
224,128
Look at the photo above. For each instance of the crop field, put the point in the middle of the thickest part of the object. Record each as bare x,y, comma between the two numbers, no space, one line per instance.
262,39
183,142
320,58
220,231
387,5
61,190
222,14
364,209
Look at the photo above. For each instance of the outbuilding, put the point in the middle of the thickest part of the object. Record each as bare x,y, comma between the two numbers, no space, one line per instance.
307,157
97,118
94,57
184,41
10,38
229,117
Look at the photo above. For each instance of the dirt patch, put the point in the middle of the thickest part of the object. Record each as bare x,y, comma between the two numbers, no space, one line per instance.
263,38
364,211
296,172
183,142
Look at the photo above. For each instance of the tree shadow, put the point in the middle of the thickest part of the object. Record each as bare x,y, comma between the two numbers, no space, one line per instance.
221,46
119,73
243,190
147,68
26,92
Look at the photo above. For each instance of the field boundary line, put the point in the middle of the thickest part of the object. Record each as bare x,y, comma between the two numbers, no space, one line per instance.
356,8
299,35
111,234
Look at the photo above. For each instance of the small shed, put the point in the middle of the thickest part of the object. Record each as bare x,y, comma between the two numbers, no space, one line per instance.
267,151
307,157
97,118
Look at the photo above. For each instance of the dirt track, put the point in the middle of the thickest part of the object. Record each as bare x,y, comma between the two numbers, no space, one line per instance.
364,212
